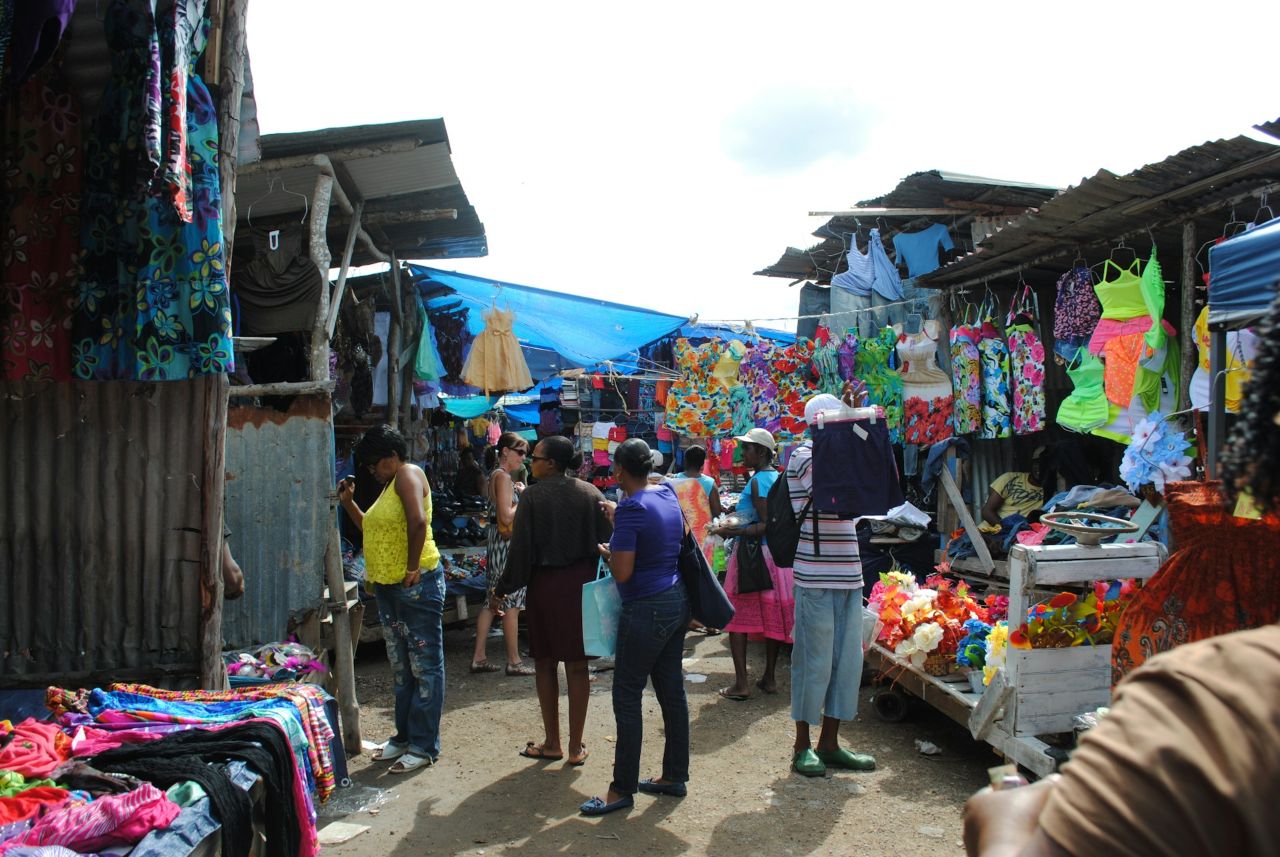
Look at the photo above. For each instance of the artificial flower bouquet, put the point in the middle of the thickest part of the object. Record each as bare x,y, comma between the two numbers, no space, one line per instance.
926,624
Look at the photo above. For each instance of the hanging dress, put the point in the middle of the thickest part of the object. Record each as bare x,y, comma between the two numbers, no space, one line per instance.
1076,311
698,404
994,354
926,389
793,369
758,378
1026,360
966,377
496,364
884,383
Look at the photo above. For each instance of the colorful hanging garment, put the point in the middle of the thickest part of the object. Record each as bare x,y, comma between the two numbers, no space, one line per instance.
884,383
793,369
848,356
994,354
1076,311
926,389
1026,359
756,375
698,404
152,302
966,376
41,149
826,364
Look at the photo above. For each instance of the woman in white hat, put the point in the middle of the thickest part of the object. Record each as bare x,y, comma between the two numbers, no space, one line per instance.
770,612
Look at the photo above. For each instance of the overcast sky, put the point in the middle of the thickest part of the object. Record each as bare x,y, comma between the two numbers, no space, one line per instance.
657,154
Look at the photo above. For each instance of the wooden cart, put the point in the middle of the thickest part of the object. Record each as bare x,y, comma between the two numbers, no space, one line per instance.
1039,691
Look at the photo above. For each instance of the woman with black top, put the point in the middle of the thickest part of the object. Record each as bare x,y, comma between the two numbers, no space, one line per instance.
553,551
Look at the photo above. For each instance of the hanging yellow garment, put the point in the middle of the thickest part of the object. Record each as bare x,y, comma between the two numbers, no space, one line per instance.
496,364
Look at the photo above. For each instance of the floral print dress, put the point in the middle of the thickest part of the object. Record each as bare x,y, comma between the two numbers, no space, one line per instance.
698,404
994,355
966,379
757,377
926,389
1026,360
152,302
884,383
796,383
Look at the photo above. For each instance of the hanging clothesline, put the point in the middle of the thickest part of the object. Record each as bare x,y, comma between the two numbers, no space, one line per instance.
828,314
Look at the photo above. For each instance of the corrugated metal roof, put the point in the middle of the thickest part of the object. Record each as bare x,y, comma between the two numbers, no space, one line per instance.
421,178
99,528
970,196
1106,206
279,470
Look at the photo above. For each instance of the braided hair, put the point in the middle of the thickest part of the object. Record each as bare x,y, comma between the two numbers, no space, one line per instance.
1251,460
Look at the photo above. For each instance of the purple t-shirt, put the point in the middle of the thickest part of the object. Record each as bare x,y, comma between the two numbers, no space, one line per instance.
651,524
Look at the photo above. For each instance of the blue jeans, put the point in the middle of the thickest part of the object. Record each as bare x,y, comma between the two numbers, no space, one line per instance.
826,660
650,647
412,625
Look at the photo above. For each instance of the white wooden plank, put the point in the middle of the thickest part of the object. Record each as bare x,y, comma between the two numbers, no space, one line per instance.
1068,680
1101,568
970,526
989,706
1029,752
1059,553
1043,713
1033,661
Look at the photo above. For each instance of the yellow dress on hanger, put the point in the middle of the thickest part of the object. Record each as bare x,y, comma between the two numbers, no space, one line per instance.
496,364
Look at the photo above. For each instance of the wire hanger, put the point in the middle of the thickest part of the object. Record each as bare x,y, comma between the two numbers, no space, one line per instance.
1227,231
1263,207
271,187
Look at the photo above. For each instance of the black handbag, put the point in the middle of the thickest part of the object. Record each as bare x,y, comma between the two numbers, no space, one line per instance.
707,600
753,571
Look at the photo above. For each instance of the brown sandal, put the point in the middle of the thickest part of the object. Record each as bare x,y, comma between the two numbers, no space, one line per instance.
484,667
520,669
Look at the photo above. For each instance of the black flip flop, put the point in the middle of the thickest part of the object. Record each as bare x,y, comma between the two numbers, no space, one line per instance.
533,751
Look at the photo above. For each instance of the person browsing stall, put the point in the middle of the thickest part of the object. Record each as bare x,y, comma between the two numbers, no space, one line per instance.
1017,493
403,564
644,555
559,524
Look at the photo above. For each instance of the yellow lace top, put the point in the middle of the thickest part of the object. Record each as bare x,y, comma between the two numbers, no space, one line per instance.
386,538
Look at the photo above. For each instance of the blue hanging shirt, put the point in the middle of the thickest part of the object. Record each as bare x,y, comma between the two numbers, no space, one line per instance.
920,249
859,275
887,282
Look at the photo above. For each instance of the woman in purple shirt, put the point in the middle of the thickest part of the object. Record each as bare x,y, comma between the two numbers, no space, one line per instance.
644,555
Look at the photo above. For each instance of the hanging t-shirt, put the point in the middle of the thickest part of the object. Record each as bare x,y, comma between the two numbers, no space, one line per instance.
920,249
887,282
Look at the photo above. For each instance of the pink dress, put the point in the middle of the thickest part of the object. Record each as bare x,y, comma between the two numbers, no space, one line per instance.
770,614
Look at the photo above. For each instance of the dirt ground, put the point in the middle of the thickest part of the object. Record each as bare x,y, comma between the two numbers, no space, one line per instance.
481,798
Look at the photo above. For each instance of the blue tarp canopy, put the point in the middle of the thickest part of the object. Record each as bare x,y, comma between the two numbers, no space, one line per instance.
468,407
726,331
585,331
1243,272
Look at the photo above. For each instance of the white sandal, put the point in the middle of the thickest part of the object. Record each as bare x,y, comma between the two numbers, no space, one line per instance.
410,762
389,751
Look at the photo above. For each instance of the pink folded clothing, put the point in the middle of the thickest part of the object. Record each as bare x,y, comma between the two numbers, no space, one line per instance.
600,457
1108,329
35,749
111,820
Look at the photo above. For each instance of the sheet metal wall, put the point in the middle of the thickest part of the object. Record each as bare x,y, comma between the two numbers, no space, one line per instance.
279,482
96,569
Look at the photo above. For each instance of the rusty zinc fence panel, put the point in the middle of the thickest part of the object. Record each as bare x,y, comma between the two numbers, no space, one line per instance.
99,530
278,490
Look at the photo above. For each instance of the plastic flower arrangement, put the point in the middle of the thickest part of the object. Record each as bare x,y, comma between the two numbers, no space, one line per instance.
997,651
1155,455
908,612
922,641
972,651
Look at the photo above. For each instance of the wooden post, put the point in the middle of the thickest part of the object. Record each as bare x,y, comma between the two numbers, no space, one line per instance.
966,520
343,658
1186,324
231,81
320,255
393,345
335,305
213,674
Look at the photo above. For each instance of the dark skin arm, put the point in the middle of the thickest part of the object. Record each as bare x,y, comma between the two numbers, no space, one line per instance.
347,498
991,508
621,564
411,487
714,497
1007,823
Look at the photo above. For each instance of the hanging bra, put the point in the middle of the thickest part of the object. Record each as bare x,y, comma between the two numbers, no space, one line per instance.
1121,298
1087,407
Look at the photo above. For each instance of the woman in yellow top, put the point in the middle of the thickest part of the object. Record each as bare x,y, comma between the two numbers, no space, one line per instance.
403,564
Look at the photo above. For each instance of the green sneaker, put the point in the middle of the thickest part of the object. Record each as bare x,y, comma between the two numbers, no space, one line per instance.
842,758
807,764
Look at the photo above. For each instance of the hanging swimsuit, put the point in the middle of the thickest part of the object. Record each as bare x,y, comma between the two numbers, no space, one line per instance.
1026,359
966,377
1086,408
1076,311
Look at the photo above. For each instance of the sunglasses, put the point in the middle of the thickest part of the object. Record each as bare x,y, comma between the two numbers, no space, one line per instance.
539,458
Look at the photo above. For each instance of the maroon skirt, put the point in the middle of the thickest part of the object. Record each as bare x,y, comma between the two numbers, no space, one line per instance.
553,607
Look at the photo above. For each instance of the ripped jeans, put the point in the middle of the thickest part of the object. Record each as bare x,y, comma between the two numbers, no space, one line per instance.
412,626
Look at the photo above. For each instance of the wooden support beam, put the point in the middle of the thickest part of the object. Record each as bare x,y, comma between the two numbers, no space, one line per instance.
391,218
291,162
1186,324
989,706
343,652
335,305
966,521
320,201
394,334
876,211
213,674
283,388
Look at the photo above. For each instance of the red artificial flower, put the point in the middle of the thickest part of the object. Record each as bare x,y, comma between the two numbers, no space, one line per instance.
1063,599
1018,639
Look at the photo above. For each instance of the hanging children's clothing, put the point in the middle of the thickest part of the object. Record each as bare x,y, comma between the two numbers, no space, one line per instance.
1076,311
994,354
1086,408
1026,360
920,249
496,364
966,376
926,389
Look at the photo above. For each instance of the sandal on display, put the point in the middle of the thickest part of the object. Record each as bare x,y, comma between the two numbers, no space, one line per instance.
653,787
485,667
390,750
410,762
533,750
597,806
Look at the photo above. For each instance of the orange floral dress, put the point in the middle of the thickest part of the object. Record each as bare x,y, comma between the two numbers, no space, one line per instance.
1223,577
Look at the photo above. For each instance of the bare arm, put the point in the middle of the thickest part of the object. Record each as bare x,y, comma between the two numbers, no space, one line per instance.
411,487
1007,823
503,491
991,509
347,499
621,564
714,498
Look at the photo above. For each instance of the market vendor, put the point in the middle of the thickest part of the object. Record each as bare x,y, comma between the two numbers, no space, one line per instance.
1016,493
470,479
